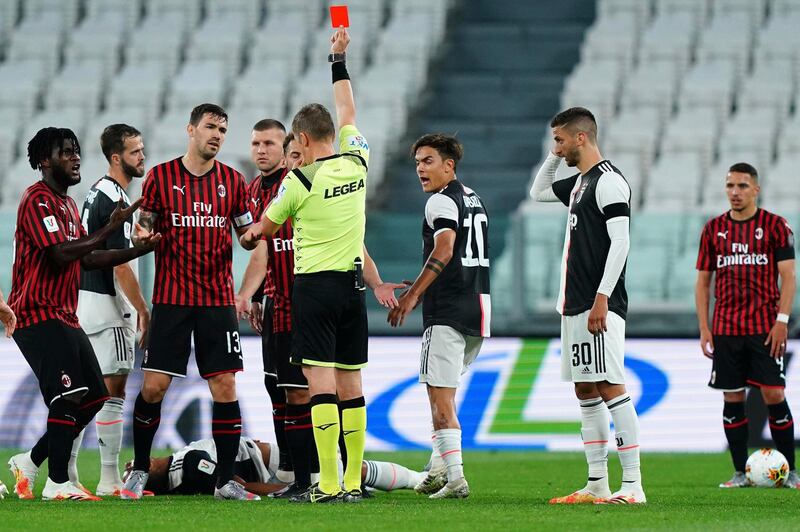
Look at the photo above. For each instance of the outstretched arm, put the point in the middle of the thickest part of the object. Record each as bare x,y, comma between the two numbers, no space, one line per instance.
342,90
384,292
438,259
67,252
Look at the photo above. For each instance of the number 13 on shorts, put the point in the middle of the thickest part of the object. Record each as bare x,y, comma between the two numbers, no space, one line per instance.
234,346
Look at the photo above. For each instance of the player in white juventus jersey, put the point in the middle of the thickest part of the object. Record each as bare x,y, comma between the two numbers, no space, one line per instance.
192,469
593,302
456,307
111,308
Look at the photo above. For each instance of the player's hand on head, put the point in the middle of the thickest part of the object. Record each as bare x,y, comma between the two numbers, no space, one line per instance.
776,339
339,41
8,318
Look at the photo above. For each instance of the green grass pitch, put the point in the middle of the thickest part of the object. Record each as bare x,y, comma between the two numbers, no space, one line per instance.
510,491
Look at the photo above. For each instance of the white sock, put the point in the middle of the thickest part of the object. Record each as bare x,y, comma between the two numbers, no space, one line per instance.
108,423
448,441
594,432
626,423
436,461
72,467
387,476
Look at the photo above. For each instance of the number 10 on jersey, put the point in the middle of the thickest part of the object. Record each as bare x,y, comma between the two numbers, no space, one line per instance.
476,224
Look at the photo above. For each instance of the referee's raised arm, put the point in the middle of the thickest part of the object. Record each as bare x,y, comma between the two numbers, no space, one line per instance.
342,90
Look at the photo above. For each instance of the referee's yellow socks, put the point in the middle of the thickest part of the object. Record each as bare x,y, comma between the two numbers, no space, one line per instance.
354,428
325,418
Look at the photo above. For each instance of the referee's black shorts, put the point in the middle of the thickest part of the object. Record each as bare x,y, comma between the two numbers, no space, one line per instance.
744,360
329,321
63,361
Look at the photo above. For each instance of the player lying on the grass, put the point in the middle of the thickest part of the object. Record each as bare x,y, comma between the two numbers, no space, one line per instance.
192,470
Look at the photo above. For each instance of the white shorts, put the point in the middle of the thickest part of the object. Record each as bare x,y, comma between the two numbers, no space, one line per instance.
589,358
114,348
446,355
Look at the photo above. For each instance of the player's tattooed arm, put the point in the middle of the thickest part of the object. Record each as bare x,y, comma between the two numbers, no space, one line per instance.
67,252
439,258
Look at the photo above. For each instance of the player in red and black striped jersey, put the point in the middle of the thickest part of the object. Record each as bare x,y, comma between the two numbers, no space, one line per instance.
193,201
50,247
273,261
748,250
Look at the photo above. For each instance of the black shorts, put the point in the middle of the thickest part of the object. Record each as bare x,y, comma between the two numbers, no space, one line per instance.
63,361
743,360
276,349
217,348
329,321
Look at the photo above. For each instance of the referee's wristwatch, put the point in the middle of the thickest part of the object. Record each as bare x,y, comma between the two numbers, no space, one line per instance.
336,58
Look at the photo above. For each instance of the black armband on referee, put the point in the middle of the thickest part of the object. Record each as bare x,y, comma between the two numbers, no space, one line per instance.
339,71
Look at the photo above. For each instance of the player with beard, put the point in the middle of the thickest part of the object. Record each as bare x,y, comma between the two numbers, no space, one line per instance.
195,201
266,151
111,307
51,246
593,302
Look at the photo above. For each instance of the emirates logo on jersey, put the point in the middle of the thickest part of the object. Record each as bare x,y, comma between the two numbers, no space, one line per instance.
741,256
221,191
66,381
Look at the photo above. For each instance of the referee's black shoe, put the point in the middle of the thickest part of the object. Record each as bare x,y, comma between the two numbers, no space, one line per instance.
317,496
288,491
353,496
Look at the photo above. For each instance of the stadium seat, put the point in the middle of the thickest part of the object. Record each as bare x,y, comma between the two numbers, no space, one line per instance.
673,183
635,131
682,279
250,10
86,84
641,9
225,47
22,83
670,39
699,10
646,274
615,37
709,85
139,85
131,10
159,39
38,38
279,45
652,85
692,131
189,11
169,133
98,39
754,9
310,11
780,185
66,11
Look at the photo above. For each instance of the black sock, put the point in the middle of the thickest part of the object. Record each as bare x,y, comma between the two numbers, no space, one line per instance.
39,451
146,419
781,425
226,428
278,397
60,433
734,421
299,438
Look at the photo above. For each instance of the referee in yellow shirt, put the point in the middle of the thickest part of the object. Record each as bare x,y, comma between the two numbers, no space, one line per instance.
326,200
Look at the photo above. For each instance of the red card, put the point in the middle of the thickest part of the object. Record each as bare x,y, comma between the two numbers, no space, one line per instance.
339,17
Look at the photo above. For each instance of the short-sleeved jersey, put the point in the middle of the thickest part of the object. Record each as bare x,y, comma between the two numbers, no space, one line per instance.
327,201
279,280
40,288
744,256
101,302
459,297
594,198
194,217
192,470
